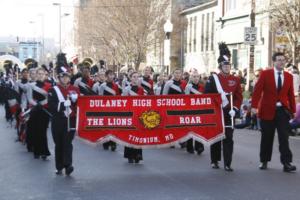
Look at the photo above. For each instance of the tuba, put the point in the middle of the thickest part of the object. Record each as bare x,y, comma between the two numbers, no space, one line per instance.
30,63
88,62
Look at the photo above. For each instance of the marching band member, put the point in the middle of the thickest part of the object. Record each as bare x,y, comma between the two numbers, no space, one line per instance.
39,115
176,85
158,87
32,75
224,83
30,122
132,154
85,83
109,88
21,88
48,78
62,105
99,79
146,82
195,87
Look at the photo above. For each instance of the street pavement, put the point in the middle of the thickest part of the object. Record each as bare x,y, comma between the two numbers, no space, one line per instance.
165,174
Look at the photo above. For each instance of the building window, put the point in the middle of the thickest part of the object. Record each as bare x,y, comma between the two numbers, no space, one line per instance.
155,44
185,39
230,5
195,34
212,31
34,52
25,52
190,34
202,32
207,32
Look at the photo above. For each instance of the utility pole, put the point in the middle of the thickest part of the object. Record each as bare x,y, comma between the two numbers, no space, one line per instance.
250,71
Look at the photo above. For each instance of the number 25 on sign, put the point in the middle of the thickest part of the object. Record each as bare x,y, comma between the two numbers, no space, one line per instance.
250,34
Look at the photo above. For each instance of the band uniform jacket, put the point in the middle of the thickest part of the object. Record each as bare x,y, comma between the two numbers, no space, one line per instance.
193,88
229,83
85,86
108,89
96,86
57,108
133,90
147,84
37,93
174,87
21,88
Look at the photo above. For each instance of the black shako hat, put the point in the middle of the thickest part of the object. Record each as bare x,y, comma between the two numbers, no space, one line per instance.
225,54
62,71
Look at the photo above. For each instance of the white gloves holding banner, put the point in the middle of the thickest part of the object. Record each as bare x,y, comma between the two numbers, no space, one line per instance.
67,103
232,113
73,97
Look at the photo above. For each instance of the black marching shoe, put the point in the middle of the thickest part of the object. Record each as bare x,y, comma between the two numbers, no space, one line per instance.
130,160
289,168
113,147
58,172
228,168
199,151
191,151
215,165
182,145
69,170
263,166
44,158
136,161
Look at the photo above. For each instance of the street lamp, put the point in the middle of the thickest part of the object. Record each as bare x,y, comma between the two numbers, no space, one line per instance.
60,16
43,37
168,28
35,43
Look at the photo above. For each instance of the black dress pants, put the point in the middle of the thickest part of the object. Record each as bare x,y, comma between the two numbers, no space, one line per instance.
63,141
215,149
281,124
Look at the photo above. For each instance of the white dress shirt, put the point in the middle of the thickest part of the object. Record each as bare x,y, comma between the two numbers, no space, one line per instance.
276,82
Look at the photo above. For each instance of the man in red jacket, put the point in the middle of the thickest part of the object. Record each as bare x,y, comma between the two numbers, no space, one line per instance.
274,97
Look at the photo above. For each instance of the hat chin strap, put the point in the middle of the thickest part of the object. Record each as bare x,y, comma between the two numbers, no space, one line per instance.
224,72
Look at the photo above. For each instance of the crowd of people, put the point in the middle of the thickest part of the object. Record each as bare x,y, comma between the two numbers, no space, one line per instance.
44,95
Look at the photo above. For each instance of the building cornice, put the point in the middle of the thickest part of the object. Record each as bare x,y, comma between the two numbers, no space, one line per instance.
199,7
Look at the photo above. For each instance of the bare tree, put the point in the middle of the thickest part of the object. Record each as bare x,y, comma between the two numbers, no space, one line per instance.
120,29
285,14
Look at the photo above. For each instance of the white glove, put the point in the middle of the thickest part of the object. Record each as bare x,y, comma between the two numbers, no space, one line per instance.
74,97
67,103
232,113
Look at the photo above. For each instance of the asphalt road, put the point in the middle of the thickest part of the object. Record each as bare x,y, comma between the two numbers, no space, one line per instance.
165,174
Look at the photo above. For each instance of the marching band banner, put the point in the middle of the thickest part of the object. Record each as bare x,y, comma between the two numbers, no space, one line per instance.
150,121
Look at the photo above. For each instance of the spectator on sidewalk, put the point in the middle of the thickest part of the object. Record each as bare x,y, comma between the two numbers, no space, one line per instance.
246,118
295,123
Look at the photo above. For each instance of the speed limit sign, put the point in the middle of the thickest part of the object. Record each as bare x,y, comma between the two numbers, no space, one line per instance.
250,35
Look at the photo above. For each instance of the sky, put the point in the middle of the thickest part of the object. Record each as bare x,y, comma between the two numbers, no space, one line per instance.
26,18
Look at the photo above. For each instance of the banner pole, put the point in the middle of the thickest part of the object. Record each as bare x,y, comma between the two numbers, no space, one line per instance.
68,118
231,105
